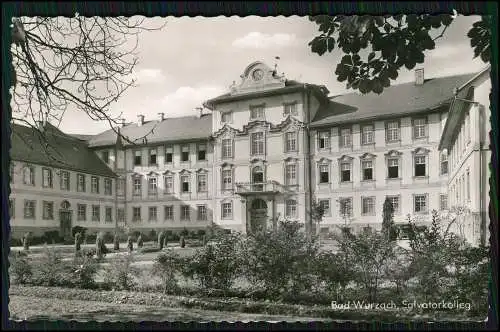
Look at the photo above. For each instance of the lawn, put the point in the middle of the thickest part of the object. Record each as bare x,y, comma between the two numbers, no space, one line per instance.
34,308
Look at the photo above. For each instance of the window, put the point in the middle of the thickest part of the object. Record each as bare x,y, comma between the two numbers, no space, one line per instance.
169,152
108,189
152,157
368,205
256,112
419,165
290,142
367,167
12,208
290,109
393,168
29,209
120,215
325,205
345,207
392,131
105,156
48,210
257,143
227,210
345,170
395,203
420,203
185,183
202,212
94,184
136,213
169,212
185,153
46,178
185,213
152,213
137,186
121,187
324,174
468,184
137,158
202,152
64,180
443,202
202,183
96,213
444,163
291,208
169,184
29,175
367,135
291,174
419,128
227,179
227,148
81,212
345,137
81,183
226,117
152,186
108,214
324,139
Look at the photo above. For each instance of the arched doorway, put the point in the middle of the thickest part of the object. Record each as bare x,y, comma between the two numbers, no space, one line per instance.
65,219
258,178
258,215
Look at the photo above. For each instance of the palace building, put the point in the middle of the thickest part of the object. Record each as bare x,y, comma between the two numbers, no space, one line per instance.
263,152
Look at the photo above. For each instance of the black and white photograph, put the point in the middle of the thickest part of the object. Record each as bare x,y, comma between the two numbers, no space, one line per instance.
241,169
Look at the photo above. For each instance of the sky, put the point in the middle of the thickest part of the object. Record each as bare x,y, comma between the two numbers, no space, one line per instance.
193,59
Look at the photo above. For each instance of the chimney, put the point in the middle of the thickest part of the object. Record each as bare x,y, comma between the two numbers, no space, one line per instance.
419,76
200,111
140,120
162,116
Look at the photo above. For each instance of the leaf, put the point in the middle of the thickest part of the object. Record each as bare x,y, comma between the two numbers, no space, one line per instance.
377,86
365,86
446,19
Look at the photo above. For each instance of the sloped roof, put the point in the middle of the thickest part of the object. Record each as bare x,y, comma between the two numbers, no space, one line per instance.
55,149
82,137
406,98
170,129
320,91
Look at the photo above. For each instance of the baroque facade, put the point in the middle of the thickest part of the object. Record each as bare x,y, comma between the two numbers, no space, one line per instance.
270,146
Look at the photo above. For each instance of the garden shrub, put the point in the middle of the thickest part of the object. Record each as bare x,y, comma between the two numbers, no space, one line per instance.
75,230
15,242
20,268
78,242
161,239
84,270
216,265
331,270
280,261
166,266
116,242
182,242
140,241
145,250
119,275
27,240
50,269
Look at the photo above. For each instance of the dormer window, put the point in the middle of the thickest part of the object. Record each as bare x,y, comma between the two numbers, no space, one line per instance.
290,109
324,140
257,112
226,117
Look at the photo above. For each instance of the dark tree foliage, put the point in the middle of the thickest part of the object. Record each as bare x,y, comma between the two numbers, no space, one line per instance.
389,42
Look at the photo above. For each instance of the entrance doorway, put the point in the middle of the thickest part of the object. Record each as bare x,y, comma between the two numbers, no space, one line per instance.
258,215
65,220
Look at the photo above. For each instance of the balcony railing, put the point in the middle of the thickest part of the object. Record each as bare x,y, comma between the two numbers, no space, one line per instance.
247,187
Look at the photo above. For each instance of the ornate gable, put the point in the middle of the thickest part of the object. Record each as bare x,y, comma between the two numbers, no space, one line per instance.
421,151
256,77
368,156
345,158
393,153
225,132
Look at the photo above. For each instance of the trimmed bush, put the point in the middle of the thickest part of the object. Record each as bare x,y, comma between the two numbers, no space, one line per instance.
182,242
145,250
140,241
161,239
78,242
75,230
130,244
116,242
26,240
